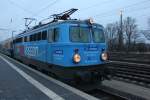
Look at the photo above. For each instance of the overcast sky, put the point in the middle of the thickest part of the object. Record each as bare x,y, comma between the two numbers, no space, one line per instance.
102,11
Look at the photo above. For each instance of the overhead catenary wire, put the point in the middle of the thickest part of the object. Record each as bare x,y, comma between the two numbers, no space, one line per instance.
20,7
123,8
46,7
95,5
113,21
104,14
141,15
133,11
4,29
33,14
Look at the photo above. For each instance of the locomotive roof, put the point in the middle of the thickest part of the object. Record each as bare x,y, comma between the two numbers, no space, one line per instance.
74,22
40,26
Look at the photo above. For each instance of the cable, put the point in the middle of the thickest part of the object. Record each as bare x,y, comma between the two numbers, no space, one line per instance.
144,16
95,5
30,12
25,10
111,21
4,29
145,8
49,5
125,7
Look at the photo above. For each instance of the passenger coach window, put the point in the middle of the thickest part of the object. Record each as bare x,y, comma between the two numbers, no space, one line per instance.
98,36
79,34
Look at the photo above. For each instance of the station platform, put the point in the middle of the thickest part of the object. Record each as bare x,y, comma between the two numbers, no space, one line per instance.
20,82
129,88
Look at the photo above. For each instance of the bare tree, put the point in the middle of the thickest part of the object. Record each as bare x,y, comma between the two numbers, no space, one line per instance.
111,30
149,23
135,37
130,28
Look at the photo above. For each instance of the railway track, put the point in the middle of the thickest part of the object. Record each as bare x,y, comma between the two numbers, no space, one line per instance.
107,93
103,95
131,72
133,60
143,58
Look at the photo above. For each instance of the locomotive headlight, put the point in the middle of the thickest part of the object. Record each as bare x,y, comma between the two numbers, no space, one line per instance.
104,56
76,58
90,20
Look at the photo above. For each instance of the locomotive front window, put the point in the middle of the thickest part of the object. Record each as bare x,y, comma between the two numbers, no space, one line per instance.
79,34
98,35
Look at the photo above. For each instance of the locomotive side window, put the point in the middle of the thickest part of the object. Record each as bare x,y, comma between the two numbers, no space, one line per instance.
28,38
22,39
34,37
39,36
18,40
31,37
56,35
53,35
44,35
50,35
25,39
98,36
79,34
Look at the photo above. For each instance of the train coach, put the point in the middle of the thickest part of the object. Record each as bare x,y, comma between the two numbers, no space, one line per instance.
71,49
6,47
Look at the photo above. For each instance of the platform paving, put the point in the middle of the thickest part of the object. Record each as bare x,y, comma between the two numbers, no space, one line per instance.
129,88
14,86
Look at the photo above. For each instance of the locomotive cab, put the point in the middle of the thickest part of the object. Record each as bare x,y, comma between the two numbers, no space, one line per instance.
80,44
80,48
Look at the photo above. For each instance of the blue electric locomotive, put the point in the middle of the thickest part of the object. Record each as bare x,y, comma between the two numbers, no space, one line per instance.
70,48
